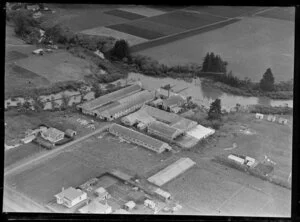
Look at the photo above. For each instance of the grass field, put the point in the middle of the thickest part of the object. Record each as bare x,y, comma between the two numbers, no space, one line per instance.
131,39
260,43
124,14
136,31
185,20
57,66
225,11
284,13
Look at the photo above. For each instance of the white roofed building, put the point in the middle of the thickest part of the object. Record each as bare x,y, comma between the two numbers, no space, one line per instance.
70,197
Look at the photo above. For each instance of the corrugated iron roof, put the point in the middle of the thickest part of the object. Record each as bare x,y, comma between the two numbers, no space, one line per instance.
137,135
171,171
102,100
161,115
184,124
163,129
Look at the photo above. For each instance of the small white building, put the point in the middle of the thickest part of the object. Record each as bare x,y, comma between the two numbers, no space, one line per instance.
129,205
271,118
38,51
150,204
102,193
236,159
28,139
259,116
70,197
71,133
282,121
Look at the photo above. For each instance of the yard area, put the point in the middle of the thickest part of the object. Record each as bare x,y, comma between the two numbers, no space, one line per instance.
287,13
18,123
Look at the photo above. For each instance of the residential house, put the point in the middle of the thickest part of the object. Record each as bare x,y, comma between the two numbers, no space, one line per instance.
70,197
53,135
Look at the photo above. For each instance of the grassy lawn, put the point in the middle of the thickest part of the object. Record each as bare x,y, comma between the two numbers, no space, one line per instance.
14,55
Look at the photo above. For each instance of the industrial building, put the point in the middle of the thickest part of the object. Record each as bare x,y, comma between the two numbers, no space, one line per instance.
173,103
126,106
139,138
172,171
141,116
163,130
89,106
70,197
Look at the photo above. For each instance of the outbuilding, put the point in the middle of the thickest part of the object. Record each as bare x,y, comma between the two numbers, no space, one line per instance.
129,205
282,121
102,193
70,133
28,139
271,118
53,135
38,52
259,116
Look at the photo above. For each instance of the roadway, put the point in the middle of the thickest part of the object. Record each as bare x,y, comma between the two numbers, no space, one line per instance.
52,153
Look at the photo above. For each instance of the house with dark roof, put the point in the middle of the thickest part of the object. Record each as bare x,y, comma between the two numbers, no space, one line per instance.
139,138
164,131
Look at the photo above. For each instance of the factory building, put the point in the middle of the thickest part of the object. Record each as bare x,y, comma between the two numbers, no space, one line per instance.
89,106
139,138
163,130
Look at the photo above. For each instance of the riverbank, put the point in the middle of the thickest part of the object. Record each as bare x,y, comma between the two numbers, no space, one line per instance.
278,95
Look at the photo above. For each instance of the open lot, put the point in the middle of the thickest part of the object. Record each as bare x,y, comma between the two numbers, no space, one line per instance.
260,43
14,55
185,20
57,66
142,10
284,13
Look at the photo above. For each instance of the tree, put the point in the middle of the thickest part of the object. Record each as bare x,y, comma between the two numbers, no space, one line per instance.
37,104
97,90
267,81
215,110
120,49
65,102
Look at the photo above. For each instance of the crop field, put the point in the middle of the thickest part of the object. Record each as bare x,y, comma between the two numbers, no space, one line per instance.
283,13
185,20
136,31
166,8
103,31
142,10
226,11
260,43
57,66
124,14
156,27
91,158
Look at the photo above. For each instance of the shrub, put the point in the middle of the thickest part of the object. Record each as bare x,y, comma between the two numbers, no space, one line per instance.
120,49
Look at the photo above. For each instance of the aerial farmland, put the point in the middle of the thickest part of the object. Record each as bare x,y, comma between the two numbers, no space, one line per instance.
134,109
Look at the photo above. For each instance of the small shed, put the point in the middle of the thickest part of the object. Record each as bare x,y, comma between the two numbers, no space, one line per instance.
259,116
282,121
236,159
38,51
70,133
102,193
28,139
129,205
150,204
271,118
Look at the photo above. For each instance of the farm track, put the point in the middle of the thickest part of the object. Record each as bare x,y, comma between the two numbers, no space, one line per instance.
51,153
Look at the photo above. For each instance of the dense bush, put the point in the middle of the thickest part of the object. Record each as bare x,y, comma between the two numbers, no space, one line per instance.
120,50
213,63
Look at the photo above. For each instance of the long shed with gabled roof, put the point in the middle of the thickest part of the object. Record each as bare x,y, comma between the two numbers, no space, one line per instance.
139,138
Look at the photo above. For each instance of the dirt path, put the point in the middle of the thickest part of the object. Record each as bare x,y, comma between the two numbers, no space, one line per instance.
49,154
